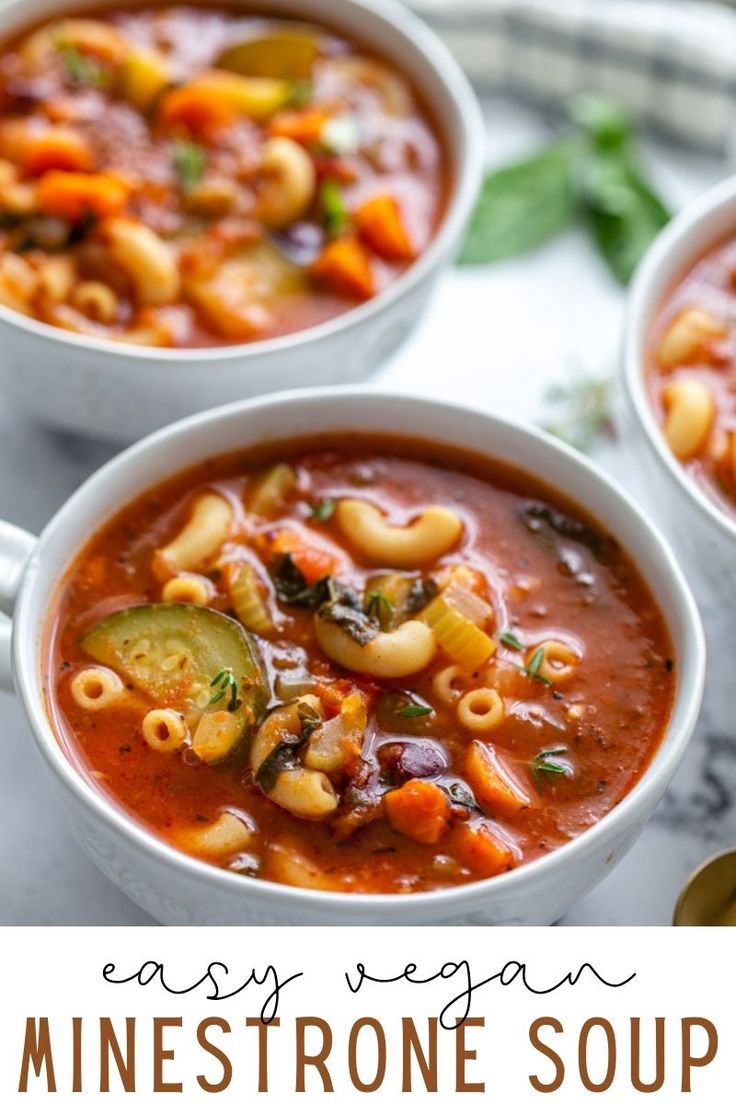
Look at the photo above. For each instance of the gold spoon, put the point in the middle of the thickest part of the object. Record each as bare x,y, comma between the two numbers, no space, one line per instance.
709,896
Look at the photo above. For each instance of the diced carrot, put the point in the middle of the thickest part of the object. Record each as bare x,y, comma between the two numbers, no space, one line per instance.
494,786
478,848
304,127
56,147
73,195
215,98
346,265
333,694
313,562
198,109
381,224
419,810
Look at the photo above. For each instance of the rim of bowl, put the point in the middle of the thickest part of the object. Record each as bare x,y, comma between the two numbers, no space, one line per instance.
457,91
688,697
647,291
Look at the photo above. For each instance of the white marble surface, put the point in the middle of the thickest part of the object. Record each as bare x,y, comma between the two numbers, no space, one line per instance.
497,338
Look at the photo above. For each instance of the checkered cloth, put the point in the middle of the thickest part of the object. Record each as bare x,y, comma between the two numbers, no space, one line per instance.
672,63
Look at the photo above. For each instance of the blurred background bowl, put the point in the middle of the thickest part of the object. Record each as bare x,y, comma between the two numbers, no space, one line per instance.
121,392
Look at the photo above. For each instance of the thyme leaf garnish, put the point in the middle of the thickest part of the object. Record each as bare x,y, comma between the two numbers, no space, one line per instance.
226,683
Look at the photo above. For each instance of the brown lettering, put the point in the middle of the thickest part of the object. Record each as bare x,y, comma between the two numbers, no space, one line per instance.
537,1084
219,1055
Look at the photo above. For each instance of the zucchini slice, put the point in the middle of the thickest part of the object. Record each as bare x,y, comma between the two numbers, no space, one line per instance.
173,652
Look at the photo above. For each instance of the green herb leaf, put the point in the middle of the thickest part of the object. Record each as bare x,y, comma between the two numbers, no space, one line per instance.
522,206
585,411
624,214
545,763
227,683
601,118
80,68
378,605
190,162
336,214
300,93
323,511
415,711
535,662
511,640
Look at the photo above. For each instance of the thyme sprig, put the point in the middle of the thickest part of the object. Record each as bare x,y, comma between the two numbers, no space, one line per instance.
227,683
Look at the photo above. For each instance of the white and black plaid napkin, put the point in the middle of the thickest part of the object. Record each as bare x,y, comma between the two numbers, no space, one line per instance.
672,63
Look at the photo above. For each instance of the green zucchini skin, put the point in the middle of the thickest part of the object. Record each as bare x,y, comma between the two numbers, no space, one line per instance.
172,652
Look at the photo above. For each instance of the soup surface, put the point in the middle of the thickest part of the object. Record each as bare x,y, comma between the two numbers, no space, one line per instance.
367,666
186,177
691,367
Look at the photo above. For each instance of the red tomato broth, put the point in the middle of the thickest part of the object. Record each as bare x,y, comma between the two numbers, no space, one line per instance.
540,584
396,152
708,285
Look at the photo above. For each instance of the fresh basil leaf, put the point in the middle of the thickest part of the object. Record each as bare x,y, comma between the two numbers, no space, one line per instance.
523,205
623,213
602,119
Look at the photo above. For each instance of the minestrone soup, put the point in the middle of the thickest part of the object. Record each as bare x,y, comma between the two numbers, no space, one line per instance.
691,373
187,176
362,665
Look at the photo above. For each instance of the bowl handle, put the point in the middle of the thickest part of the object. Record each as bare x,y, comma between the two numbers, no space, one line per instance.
16,546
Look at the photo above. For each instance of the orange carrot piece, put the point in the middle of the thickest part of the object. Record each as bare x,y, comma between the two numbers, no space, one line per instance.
56,147
345,264
494,786
381,224
313,562
476,847
73,195
304,127
196,108
419,810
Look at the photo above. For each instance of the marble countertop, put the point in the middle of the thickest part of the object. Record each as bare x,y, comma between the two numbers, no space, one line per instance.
499,337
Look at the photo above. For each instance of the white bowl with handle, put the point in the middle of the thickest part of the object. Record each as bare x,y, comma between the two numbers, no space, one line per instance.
175,888
120,392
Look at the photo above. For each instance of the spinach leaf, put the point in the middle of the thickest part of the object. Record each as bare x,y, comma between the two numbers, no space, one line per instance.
284,757
539,517
522,206
333,601
421,594
292,588
349,617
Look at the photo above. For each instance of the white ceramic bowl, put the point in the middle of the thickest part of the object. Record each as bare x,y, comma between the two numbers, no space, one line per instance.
697,525
121,392
177,889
